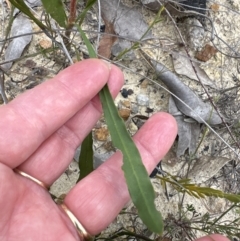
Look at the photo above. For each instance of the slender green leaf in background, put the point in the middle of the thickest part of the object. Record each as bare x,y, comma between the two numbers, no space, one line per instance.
85,160
86,155
20,4
84,12
91,51
138,182
56,10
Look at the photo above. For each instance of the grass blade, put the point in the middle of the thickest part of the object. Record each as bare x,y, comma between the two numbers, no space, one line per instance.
91,51
86,155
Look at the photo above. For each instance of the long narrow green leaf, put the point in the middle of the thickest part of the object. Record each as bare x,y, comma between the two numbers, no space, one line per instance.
56,10
20,4
138,182
85,160
86,156
91,51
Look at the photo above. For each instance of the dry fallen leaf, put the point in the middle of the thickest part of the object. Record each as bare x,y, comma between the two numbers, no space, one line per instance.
108,39
21,26
188,132
206,167
127,23
183,66
206,53
200,111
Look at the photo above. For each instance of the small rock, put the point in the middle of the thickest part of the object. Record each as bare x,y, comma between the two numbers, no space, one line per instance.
124,93
149,110
101,134
195,32
132,128
45,43
126,103
142,100
145,83
134,108
215,7
124,113
130,91
206,53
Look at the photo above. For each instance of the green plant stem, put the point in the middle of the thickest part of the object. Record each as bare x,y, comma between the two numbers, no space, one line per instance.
216,220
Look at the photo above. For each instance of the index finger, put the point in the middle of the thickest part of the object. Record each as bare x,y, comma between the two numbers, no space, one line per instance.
33,116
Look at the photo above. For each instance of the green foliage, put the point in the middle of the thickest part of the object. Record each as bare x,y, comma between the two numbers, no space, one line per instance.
85,160
138,182
56,10
184,186
139,185
20,4
91,51
86,156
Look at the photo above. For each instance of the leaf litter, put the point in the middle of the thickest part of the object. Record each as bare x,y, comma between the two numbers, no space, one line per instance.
184,97
127,23
188,132
21,31
191,69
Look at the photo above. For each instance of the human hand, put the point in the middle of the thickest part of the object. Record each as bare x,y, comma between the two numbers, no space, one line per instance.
39,132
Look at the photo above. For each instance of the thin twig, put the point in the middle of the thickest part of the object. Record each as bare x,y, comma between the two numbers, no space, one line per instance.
99,26
2,91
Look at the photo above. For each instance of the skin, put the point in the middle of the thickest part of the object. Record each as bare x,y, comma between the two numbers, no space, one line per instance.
40,131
